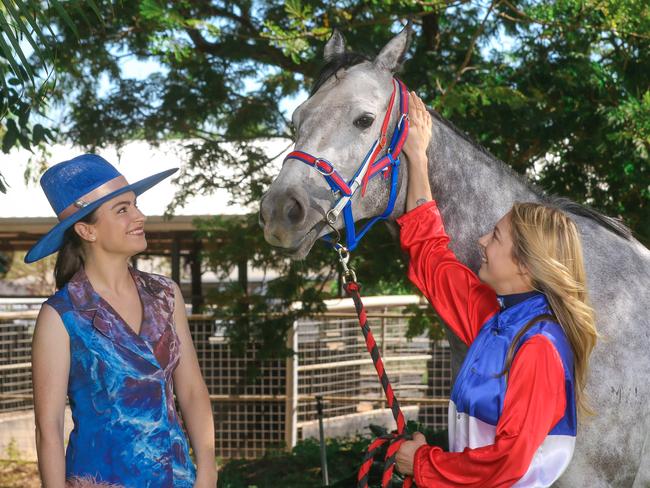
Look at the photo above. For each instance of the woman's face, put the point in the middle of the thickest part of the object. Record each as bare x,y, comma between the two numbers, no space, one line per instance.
498,267
119,227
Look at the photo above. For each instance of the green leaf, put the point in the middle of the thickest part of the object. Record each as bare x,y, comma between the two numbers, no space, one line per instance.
7,31
38,134
8,54
17,17
66,18
10,136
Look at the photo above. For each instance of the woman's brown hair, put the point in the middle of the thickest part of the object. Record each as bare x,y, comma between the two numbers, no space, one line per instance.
71,256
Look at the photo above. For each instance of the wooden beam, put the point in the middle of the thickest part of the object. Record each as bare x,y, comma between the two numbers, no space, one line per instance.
195,267
176,261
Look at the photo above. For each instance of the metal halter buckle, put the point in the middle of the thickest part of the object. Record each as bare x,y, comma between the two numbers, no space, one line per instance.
344,257
317,160
331,217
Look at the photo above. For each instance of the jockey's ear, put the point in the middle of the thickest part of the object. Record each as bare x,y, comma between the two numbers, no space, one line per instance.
392,55
335,46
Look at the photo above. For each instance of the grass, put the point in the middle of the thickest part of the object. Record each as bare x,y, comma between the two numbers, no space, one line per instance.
299,468
19,474
302,466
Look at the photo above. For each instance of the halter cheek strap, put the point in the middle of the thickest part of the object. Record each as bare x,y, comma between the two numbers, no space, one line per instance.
369,168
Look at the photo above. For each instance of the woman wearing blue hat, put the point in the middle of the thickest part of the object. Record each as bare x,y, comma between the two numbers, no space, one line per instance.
117,342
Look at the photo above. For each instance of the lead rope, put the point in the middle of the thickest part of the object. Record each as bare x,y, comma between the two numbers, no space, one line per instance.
395,439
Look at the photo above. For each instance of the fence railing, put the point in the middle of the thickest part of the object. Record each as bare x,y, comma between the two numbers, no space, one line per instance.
275,409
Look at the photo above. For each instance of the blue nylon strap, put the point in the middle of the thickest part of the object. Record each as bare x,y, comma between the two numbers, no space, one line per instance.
389,207
352,238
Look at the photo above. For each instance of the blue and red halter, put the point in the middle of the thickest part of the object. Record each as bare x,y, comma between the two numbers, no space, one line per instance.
369,168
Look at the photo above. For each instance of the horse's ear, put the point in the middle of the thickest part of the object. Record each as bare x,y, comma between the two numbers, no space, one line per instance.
335,46
392,55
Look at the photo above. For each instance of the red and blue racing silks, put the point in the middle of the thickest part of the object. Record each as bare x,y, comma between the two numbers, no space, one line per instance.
517,429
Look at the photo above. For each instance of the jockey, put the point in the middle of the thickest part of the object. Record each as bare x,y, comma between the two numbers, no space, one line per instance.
529,328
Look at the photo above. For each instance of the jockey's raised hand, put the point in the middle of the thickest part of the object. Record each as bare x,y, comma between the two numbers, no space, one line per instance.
415,149
419,135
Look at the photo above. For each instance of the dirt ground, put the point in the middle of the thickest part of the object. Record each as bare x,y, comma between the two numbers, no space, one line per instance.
19,474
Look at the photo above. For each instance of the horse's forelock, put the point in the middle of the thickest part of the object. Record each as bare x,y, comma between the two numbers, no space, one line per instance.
337,63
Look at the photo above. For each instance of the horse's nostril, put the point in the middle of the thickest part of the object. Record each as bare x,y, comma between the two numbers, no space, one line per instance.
295,211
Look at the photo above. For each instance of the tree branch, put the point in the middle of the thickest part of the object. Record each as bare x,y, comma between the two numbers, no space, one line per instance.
258,51
470,51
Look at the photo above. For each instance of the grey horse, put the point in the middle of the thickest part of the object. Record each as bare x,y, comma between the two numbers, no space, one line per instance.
339,122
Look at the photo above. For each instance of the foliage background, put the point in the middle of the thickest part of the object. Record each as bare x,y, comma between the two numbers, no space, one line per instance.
558,90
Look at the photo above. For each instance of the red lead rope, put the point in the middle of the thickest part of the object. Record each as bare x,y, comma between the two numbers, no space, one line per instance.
393,440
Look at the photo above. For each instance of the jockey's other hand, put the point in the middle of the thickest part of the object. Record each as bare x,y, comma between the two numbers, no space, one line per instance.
406,453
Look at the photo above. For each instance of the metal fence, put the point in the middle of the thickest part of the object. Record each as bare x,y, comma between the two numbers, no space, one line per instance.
16,328
273,410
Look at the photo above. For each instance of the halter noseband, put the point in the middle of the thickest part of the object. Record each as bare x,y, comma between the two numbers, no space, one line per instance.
369,168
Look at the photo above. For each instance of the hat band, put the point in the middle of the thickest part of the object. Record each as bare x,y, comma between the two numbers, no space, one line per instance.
101,191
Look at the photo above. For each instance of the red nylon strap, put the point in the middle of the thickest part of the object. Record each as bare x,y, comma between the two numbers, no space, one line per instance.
405,100
379,166
389,110
324,167
382,139
385,163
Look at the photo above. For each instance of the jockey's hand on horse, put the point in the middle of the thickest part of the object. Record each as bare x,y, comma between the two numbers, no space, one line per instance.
406,453
419,134
415,148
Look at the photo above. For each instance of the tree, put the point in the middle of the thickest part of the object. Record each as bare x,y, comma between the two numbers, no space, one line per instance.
558,90
24,84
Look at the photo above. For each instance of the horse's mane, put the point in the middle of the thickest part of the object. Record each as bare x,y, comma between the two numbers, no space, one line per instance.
565,204
350,58
611,224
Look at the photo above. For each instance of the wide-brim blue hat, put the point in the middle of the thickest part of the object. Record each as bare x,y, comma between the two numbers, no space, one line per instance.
75,188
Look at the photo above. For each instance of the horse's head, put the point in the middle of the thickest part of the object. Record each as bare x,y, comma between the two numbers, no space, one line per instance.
338,123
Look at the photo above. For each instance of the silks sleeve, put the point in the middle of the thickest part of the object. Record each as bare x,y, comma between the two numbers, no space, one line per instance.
535,401
457,294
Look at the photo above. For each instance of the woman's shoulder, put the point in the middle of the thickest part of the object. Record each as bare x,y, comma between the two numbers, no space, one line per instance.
60,300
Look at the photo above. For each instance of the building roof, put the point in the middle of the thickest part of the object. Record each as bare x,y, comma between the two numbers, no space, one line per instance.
21,233
25,213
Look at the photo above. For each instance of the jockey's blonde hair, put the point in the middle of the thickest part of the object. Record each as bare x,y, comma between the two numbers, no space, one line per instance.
546,242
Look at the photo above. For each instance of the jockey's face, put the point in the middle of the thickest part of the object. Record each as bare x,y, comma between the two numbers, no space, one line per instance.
498,267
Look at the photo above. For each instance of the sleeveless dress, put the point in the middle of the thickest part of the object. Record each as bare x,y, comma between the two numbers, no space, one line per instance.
126,429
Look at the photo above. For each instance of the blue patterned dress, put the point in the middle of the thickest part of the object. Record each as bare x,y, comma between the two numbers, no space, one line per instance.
126,429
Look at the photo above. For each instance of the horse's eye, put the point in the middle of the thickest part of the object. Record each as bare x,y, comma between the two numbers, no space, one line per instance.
364,121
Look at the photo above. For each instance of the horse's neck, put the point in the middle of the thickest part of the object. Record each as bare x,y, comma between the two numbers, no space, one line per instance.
473,189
